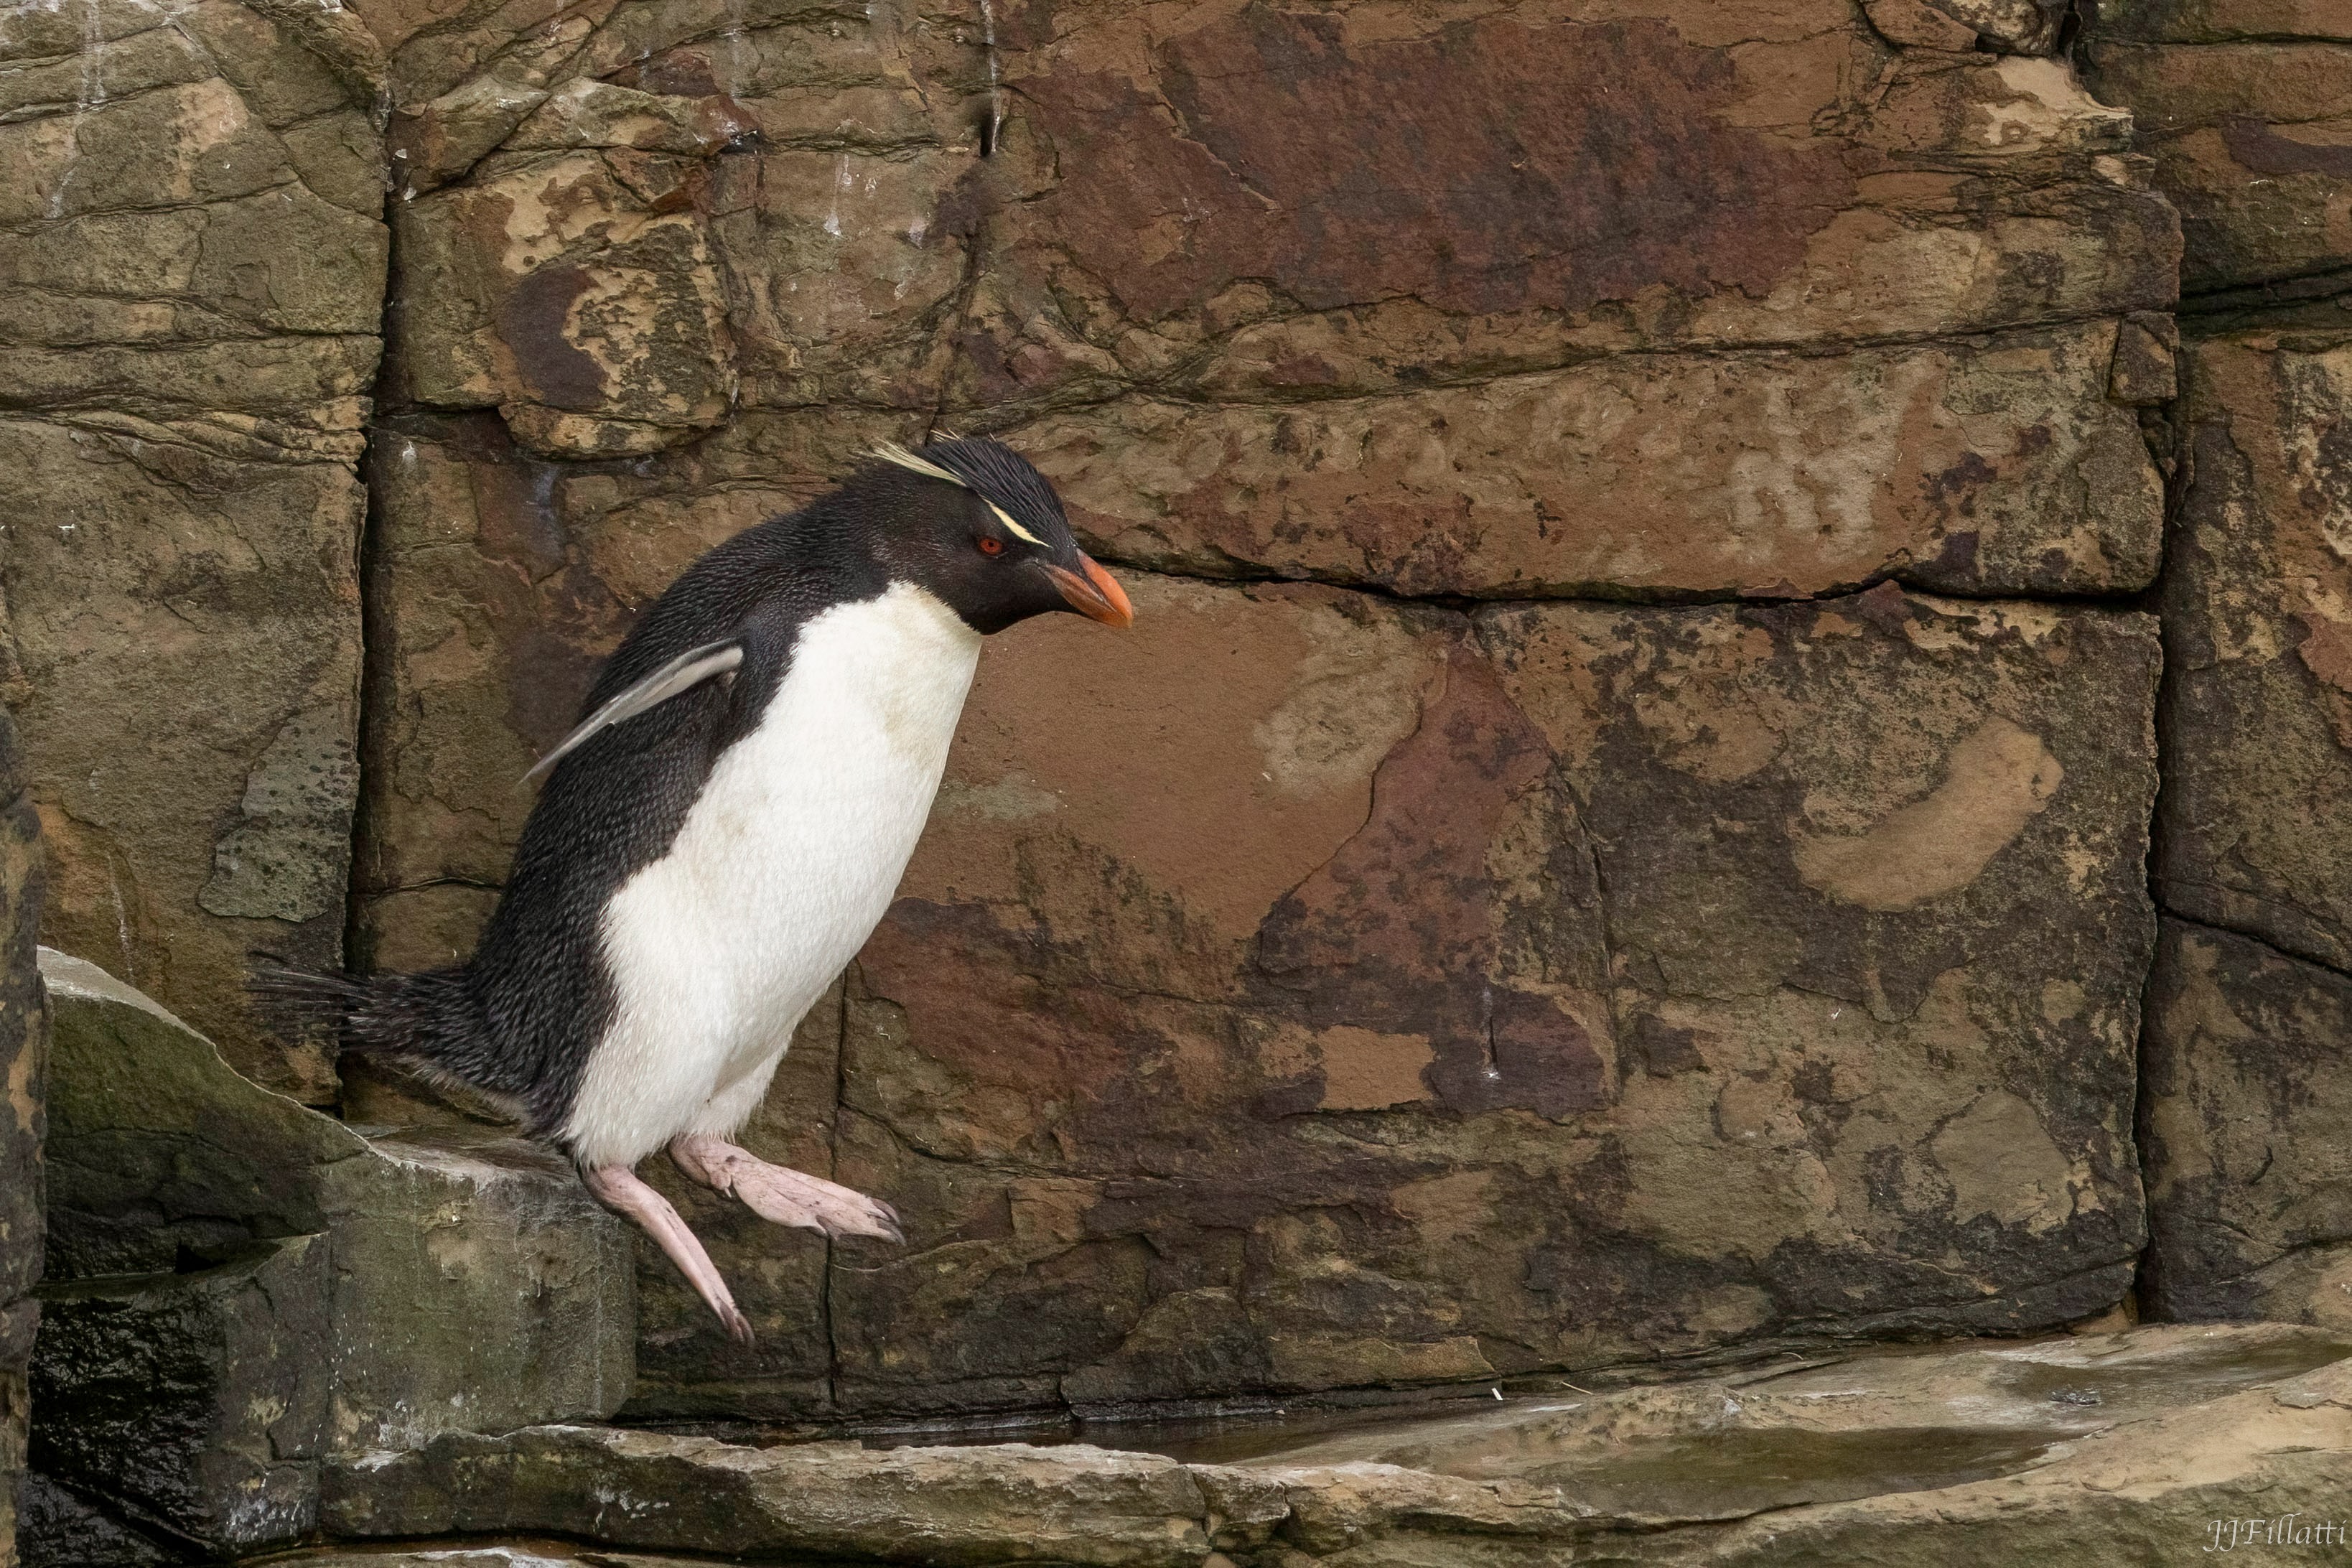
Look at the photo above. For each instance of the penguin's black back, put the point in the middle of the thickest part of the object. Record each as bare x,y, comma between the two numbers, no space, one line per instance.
521,1016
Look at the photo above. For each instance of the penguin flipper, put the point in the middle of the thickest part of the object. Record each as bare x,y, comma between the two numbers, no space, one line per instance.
682,673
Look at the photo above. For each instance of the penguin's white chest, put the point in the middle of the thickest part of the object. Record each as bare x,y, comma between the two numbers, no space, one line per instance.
780,872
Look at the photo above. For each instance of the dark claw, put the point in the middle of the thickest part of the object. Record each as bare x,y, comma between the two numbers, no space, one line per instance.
739,1327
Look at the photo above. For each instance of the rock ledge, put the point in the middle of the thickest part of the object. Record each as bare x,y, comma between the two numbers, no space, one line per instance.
2119,1448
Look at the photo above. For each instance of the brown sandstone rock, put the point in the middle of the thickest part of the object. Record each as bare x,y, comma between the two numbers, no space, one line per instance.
2245,1113
2223,21
1763,473
573,290
1185,224
2252,835
1410,1029
1202,1076
1215,179
192,272
2251,135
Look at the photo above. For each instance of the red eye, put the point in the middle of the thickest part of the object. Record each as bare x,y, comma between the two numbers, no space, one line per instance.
990,545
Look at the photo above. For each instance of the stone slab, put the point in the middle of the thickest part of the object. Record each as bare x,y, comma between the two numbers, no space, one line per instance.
1163,192
310,1289
2111,1448
1002,1504
1987,466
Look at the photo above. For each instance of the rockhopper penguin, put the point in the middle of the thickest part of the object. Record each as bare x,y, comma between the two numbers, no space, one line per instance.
724,830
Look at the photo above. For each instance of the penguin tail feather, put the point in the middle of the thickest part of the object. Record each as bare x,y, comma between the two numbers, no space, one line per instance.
423,1021
299,998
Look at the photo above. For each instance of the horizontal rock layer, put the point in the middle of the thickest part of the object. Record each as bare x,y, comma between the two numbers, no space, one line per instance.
2111,1448
1762,473
2245,111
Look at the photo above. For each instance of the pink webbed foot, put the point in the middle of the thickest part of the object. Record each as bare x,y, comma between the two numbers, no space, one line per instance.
786,1197
620,1189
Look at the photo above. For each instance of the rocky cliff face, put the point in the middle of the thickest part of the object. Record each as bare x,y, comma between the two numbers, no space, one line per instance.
192,263
2246,109
1380,965
1622,827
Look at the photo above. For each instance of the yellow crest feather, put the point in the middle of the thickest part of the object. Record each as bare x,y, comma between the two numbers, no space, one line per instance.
891,452
1006,517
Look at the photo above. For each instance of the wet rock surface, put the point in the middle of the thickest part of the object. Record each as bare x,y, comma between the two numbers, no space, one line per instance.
238,1287
2113,1448
194,1404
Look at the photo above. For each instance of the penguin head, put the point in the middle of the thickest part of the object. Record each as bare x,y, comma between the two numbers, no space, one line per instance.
972,523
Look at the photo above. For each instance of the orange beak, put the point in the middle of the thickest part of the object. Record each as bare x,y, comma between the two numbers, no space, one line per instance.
1095,594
